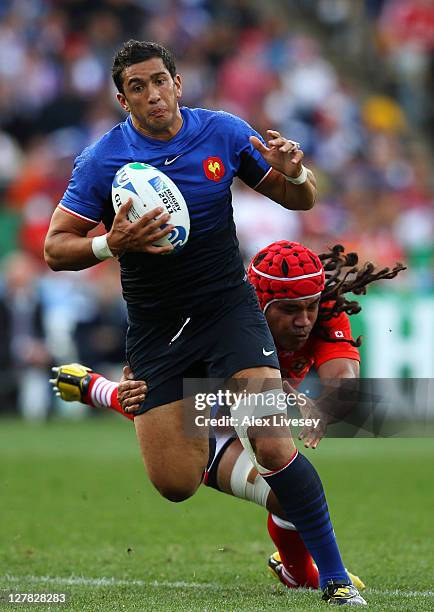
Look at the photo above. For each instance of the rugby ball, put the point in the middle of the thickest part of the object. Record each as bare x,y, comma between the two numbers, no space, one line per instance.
149,187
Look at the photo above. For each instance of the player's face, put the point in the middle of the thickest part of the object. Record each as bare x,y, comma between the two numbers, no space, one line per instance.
291,321
151,96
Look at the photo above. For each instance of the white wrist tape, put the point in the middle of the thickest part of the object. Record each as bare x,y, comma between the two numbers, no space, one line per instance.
100,248
300,179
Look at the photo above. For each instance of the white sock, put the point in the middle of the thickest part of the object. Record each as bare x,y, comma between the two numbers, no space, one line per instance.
101,392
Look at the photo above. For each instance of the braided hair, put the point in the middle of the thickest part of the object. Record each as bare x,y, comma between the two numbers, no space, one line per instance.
344,275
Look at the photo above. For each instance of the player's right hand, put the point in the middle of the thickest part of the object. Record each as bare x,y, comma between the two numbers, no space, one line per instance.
131,393
138,236
310,434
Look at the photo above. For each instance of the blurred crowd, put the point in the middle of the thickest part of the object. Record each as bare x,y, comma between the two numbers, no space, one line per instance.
351,81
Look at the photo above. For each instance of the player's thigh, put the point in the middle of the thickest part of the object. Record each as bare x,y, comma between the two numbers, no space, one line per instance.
258,379
175,452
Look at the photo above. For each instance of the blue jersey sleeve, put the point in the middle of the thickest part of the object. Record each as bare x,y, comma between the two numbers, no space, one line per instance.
89,188
252,166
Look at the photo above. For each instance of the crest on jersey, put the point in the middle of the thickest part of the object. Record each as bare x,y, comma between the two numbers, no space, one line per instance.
214,168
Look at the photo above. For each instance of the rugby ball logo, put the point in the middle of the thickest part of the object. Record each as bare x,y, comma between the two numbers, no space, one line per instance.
177,237
149,188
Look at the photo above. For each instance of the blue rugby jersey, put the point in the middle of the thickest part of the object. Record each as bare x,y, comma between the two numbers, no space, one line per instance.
211,148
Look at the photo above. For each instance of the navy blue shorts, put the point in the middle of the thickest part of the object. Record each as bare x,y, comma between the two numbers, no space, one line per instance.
213,345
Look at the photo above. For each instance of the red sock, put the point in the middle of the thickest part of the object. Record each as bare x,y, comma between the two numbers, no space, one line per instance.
295,557
103,393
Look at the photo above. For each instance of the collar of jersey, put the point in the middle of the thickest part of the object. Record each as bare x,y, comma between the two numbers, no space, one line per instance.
163,143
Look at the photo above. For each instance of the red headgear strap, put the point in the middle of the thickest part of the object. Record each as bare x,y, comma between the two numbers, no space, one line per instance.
286,271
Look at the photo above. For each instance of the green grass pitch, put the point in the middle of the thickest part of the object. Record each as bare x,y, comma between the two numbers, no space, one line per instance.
78,515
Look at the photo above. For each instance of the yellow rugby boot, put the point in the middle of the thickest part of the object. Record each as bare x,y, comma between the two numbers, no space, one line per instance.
339,594
71,382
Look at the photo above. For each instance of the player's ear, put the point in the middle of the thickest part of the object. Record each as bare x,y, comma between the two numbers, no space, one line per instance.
178,85
123,102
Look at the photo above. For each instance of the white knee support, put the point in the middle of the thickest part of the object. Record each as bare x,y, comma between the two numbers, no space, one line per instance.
256,491
255,406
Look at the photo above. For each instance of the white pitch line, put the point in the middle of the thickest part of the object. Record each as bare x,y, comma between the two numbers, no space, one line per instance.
399,593
83,581
102,582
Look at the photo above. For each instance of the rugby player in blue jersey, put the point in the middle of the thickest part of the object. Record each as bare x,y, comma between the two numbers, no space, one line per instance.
193,315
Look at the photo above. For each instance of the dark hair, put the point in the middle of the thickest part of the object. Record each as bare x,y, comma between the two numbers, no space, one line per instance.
339,282
134,52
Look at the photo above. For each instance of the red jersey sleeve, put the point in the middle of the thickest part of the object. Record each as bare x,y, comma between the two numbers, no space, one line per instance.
338,327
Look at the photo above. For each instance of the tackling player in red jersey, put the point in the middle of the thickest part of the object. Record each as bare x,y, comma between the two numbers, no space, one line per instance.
303,298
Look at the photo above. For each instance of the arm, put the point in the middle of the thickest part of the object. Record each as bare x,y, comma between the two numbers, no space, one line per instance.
339,368
338,374
340,385
67,246
337,400
285,159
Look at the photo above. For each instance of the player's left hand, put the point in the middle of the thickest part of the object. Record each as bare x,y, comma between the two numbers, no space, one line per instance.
131,393
282,154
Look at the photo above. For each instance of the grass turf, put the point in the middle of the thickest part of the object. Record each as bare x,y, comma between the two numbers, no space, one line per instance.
78,515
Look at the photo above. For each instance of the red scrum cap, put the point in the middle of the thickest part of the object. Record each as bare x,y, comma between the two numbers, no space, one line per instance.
286,271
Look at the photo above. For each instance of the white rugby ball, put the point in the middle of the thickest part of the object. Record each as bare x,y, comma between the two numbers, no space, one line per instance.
149,188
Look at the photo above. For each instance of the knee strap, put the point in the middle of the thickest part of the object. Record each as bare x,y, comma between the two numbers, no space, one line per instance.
256,491
257,405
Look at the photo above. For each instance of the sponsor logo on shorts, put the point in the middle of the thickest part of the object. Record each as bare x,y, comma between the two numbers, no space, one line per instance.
267,353
339,333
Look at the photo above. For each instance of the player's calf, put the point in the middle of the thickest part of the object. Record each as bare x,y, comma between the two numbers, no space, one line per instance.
231,470
295,481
